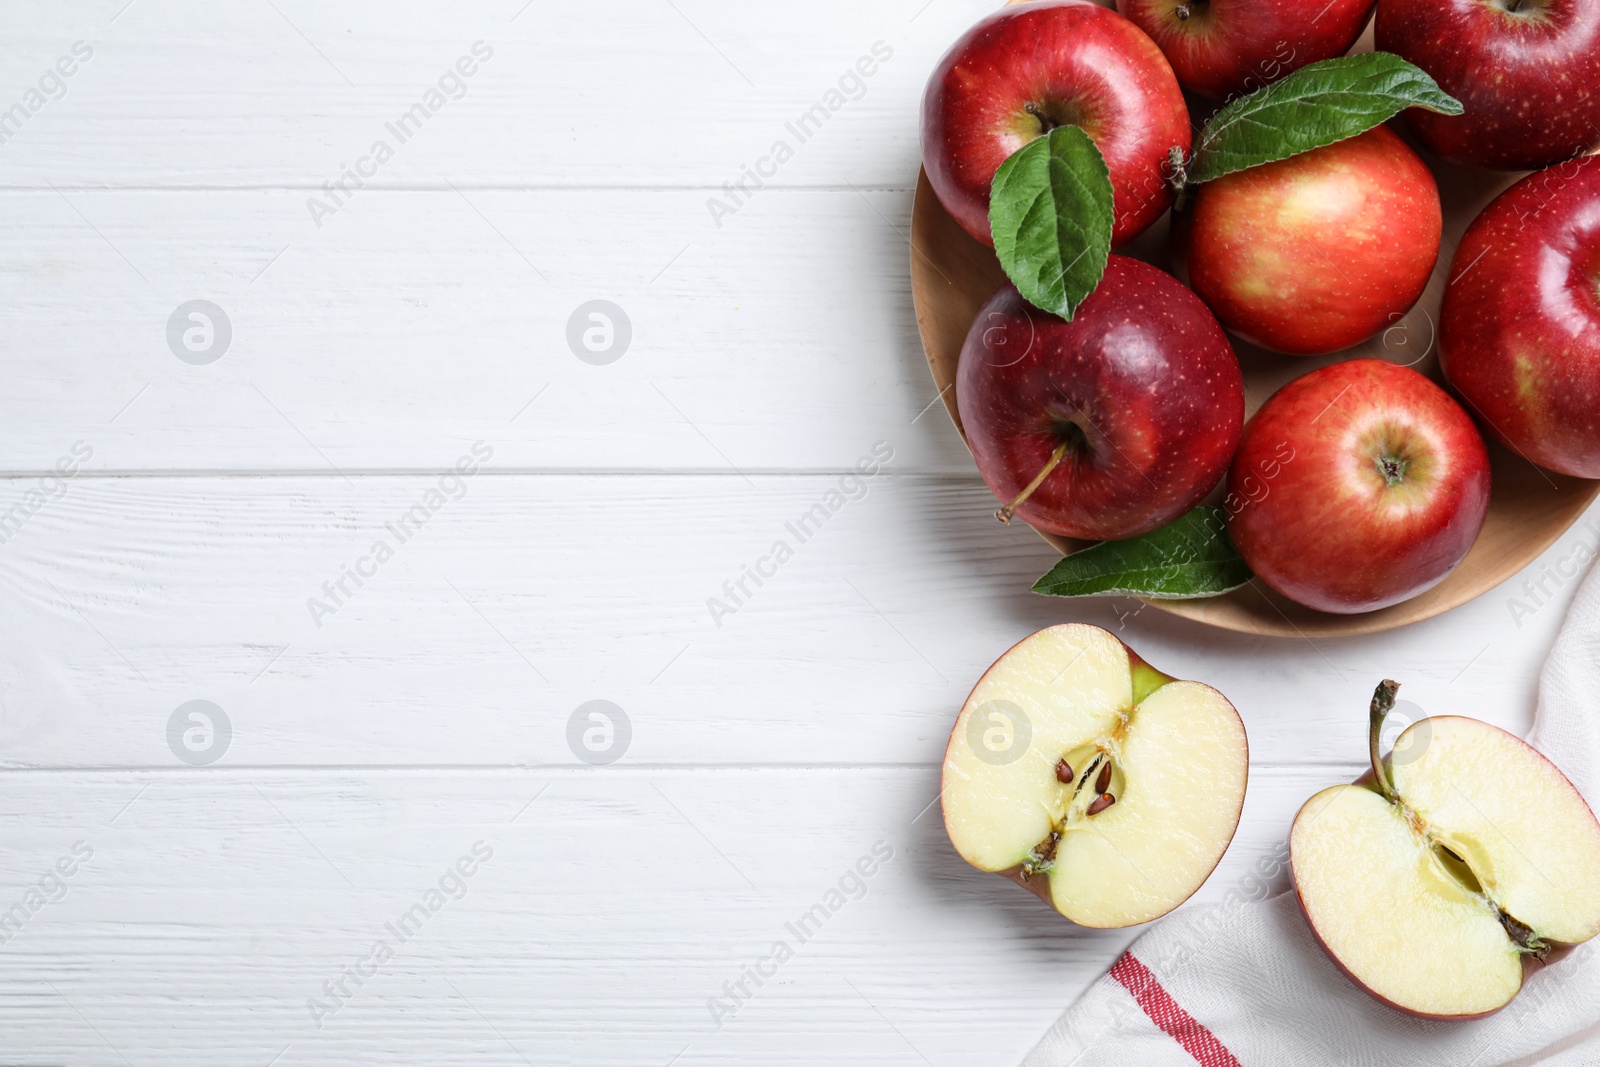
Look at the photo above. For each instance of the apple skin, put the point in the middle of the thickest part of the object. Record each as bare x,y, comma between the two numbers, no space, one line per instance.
1221,48
1529,81
1519,332
1142,382
1318,252
1313,513
1079,64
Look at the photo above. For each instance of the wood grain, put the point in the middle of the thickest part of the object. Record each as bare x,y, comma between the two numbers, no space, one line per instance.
532,594
614,908
417,322
608,93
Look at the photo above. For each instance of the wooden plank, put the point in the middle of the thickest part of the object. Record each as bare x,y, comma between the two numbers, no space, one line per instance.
606,93
521,598
416,323
613,909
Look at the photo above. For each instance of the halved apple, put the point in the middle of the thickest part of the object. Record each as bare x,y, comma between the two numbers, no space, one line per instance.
1463,858
1092,779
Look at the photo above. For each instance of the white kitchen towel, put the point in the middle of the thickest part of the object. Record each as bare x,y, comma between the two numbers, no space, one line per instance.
1244,983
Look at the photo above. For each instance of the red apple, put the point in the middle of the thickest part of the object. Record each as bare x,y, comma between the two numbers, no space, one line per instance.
1110,425
1357,486
1526,71
1519,334
1317,252
1029,68
1220,48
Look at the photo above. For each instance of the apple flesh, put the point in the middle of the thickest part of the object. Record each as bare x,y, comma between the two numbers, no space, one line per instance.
1107,426
1357,486
1464,857
1519,333
1527,73
1317,252
1220,48
1092,779
1029,68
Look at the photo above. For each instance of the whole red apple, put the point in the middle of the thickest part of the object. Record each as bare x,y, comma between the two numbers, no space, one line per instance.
1357,486
1519,333
1526,71
1118,421
1029,68
1317,252
1219,48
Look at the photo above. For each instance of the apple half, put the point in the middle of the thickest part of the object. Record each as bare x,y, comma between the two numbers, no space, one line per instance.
1089,777
1460,861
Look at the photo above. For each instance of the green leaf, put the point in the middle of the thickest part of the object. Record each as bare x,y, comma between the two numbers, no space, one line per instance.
1051,215
1192,557
1317,105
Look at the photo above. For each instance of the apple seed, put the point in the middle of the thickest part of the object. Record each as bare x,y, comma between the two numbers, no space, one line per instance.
1063,772
1101,803
1104,780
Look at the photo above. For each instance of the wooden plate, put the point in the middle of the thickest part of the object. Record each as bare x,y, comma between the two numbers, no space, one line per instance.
952,275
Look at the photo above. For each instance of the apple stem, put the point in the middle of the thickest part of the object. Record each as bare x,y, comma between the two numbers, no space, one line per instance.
1179,178
1382,704
1037,112
1009,511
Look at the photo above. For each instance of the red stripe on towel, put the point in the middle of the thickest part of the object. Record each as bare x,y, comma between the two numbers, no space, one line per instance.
1168,1014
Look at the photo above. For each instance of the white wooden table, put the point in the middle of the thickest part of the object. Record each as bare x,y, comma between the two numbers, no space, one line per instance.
230,894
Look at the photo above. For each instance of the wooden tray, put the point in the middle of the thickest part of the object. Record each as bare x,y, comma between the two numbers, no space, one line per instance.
952,275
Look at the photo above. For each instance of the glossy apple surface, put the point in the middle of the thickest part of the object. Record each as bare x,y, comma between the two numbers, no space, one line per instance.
1317,252
1141,390
1029,68
1378,486
1526,71
1220,48
1519,333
